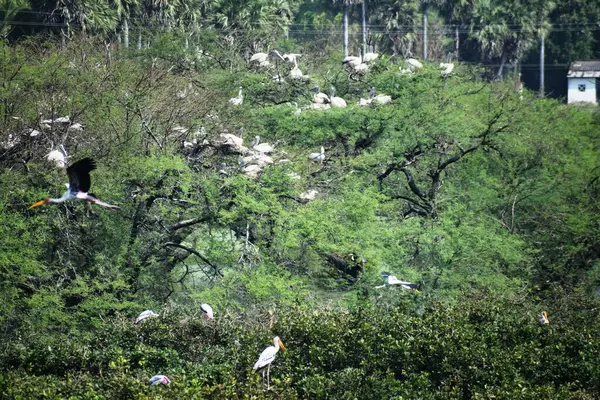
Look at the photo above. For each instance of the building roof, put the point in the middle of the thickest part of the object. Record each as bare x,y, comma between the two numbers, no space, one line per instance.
584,69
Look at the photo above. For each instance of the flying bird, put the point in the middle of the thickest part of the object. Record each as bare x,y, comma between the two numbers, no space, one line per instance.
78,186
207,311
267,357
159,380
144,315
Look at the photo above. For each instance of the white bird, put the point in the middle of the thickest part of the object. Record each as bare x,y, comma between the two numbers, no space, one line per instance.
318,157
267,357
146,314
238,100
414,64
295,72
232,140
319,106
252,171
159,380
57,157
309,195
382,99
336,101
544,318
391,280
319,97
361,68
364,102
370,57
259,57
353,61
59,120
263,147
76,127
78,186
291,57
446,68
207,311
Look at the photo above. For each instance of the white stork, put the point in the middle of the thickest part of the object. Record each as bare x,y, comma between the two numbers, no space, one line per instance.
144,315
267,357
78,186
207,311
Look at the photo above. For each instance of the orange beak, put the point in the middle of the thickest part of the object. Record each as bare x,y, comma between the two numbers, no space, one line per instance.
281,345
39,203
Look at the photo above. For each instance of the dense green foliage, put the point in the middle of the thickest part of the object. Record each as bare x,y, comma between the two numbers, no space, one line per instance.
485,197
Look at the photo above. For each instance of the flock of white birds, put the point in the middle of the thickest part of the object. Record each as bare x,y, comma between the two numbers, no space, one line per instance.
263,363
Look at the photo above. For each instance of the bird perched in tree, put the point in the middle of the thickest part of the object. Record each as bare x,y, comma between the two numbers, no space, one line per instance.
207,311
159,380
78,186
146,314
544,318
336,101
267,357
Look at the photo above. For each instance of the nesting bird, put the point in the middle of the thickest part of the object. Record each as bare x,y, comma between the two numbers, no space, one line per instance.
238,100
318,157
336,101
159,380
207,311
145,315
544,318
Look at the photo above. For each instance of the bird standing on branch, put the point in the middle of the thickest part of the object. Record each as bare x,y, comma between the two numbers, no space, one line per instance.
78,186
267,357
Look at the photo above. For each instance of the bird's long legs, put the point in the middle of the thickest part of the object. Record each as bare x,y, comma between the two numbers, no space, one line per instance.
269,377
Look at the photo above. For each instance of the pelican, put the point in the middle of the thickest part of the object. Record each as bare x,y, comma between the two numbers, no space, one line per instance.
207,311
320,157
267,357
309,195
78,186
336,101
146,314
544,318
159,380
361,68
237,100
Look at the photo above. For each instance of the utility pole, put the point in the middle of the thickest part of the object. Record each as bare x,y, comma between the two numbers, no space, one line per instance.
364,27
541,58
425,32
345,30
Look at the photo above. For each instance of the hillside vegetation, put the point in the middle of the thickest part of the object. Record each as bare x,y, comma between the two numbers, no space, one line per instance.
486,197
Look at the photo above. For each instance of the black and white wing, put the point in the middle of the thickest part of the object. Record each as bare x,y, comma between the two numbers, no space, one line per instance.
79,175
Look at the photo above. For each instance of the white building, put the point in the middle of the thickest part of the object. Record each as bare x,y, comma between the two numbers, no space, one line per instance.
582,78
